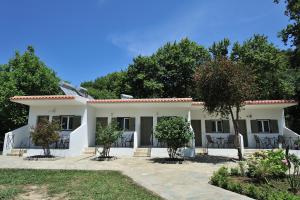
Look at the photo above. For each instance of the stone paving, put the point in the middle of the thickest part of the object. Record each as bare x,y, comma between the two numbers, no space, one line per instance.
171,181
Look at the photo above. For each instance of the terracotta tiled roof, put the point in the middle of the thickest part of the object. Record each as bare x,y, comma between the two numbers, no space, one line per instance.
156,100
49,97
255,102
269,102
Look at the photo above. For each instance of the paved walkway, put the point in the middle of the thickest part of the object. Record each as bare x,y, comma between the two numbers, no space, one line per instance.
171,181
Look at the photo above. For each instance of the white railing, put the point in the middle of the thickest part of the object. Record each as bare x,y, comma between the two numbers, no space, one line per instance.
15,139
289,133
241,140
78,140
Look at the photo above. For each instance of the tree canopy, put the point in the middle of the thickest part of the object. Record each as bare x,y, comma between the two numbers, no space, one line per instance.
224,86
24,74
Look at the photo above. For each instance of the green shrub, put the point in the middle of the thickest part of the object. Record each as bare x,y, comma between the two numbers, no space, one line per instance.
267,164
234,171
242,167
45,134
293,164
106,136
220,177
175,132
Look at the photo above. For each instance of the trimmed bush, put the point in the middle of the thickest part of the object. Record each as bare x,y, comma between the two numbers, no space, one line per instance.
175,132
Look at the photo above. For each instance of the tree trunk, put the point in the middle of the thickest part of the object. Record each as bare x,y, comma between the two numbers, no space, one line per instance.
236,132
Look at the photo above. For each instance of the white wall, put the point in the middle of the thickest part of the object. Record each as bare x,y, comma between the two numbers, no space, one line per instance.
137,113
246,114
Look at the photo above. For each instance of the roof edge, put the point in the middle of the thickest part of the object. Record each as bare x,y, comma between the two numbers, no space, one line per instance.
151,100
256,102
43,97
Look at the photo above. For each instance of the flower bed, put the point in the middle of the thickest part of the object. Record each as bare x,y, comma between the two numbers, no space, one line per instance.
265,175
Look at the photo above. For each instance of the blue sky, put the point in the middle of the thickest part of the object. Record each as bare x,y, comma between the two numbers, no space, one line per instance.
85,39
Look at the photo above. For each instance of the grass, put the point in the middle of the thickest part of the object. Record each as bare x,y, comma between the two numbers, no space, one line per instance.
74,184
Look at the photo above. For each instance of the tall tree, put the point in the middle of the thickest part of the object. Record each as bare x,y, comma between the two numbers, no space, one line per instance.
107,87
292,31
23,75
179,61
220,49
225,85
269,65
144,77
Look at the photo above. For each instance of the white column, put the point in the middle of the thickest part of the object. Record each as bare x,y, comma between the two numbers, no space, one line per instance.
281,123
250,136
203,134
137,132
231,127
154,125
189,121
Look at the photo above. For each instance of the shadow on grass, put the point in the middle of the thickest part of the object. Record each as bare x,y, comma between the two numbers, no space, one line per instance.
198,159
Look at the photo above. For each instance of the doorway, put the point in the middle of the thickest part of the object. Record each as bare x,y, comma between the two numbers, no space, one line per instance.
196,124
243,131
146,131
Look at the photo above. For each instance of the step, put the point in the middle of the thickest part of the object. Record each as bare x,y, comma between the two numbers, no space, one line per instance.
89,150
17,152
142,152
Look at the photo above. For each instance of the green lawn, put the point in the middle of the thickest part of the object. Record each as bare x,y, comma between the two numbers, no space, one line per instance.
70,184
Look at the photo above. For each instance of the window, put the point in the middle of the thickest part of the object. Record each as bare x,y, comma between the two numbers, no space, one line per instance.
42,118
126,123
69,123
263,126
217,126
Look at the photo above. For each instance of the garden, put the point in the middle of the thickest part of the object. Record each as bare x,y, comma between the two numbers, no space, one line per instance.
265,175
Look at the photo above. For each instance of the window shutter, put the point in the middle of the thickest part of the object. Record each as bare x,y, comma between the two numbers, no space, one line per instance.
42,118
132,124
56,119
102,121
254,127
208,126
76,122
120,121
226,128
274,126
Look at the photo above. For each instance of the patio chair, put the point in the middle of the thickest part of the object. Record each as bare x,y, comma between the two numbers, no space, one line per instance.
230,141
281,140
129,140
258,142
209,141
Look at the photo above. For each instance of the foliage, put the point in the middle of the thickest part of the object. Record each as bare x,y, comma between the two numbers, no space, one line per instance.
223,179
45,134
269,65
144,77
234,171
24,74
293,175
107,87
106,136
178,62
72,184
267,164
220,177
175,132
242,167
220,49
237,87
292,31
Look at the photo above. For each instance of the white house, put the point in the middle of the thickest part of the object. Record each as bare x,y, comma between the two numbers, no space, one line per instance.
262,124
